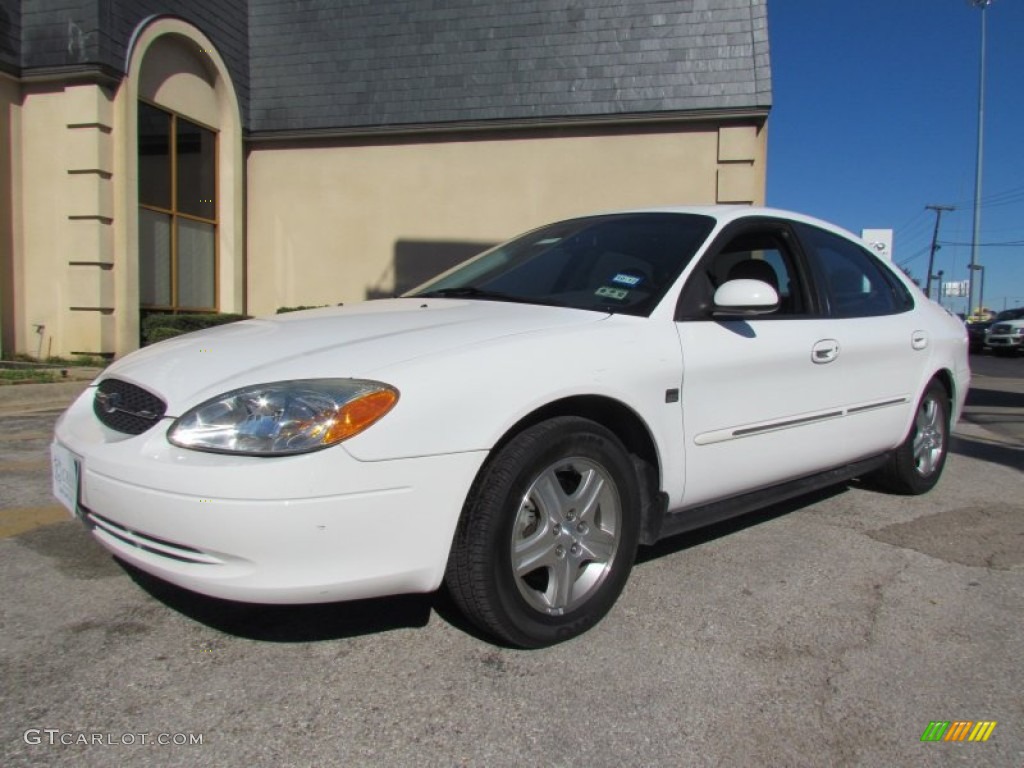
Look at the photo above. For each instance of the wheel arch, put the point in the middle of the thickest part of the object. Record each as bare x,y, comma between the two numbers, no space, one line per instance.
945,377
630,428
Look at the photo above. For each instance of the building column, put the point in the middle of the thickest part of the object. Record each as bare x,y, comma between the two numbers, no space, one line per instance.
90,242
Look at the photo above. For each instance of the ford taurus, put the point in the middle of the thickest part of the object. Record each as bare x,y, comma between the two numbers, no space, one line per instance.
518,426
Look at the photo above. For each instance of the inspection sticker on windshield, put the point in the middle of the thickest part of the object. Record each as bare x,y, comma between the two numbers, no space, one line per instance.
631,280
611,293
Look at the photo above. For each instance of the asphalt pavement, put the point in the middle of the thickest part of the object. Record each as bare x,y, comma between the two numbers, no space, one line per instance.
831,630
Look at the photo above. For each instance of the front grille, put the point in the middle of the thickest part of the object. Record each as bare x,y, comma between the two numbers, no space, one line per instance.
127,408
1001,328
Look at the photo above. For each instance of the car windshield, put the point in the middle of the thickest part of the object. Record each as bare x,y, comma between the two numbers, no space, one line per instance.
622,263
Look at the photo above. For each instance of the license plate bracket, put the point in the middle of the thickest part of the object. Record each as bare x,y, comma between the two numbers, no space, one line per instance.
66,470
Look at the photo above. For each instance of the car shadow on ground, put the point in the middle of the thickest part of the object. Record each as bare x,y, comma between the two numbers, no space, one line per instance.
997,453
994,398
684,541
335,621
290,623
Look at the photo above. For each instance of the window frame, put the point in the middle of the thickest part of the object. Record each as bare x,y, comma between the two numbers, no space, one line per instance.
902,298
175,215
781,230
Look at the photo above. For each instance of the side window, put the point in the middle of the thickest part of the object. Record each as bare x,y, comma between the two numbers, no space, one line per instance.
855,284
757,254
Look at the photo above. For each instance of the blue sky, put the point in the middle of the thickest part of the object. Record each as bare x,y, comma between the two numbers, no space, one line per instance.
875,117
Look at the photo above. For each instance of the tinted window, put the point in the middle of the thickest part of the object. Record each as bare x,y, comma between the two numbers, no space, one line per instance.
154,157
196,169
621,263
759,252
177,212
855,284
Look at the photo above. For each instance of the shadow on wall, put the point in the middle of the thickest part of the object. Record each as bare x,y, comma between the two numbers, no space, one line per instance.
416,261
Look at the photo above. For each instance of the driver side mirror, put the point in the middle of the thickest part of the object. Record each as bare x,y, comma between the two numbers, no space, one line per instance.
744,298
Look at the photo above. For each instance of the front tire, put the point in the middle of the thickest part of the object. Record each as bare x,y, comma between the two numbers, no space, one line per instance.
915,467
548,534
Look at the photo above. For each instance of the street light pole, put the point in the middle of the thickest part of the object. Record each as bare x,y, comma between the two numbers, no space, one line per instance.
982,4
981,295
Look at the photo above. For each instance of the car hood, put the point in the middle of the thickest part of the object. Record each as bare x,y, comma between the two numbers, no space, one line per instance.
339,342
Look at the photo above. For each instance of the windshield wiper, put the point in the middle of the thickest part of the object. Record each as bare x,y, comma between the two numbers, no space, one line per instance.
469,292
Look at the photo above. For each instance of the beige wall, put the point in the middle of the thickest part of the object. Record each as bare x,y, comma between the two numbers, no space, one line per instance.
61,218
69,201
324,222
321,222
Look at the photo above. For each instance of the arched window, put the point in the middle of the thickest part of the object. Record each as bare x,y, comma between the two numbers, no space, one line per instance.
177,212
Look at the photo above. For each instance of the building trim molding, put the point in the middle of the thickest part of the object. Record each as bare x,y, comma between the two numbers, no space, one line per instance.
666,119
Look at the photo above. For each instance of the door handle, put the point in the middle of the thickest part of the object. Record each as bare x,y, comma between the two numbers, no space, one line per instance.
919,339
824,351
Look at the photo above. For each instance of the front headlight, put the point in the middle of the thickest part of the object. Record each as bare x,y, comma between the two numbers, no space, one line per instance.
283,417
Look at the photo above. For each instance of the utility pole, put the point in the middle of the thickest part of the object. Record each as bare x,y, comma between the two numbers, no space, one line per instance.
982,4
935,246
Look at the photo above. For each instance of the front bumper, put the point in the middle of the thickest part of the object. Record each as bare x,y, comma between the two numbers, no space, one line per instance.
1004,341
317,527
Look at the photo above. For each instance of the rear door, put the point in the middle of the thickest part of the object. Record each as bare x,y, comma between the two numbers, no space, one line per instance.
885,347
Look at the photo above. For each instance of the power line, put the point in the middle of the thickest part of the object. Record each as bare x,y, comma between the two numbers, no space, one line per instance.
909,259
1006,244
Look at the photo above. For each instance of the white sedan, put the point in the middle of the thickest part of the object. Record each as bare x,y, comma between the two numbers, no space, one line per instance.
516,427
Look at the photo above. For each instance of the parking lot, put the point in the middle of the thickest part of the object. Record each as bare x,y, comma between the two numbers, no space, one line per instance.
826,631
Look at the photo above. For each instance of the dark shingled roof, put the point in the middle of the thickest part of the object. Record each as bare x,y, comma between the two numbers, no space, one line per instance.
347,65
319,64
82,36
10,36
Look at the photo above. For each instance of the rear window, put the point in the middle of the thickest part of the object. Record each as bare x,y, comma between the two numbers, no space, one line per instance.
855,284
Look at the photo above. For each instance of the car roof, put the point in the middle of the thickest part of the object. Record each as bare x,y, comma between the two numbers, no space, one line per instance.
1011,314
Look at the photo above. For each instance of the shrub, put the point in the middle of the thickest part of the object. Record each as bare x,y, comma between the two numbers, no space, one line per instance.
162,333
282,310
158,327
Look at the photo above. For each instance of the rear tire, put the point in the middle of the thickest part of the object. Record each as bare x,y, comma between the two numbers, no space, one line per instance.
548,534
915,467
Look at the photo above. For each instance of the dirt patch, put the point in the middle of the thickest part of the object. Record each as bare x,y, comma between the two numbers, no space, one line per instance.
991,537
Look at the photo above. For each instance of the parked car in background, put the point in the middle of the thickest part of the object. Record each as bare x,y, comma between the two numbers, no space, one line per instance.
976,334
516,427
1005,334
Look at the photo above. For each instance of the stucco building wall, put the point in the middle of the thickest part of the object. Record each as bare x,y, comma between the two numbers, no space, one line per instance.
334,224
359,148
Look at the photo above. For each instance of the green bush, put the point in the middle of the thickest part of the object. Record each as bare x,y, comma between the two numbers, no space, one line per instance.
89,361
162,333
282,310
158,327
